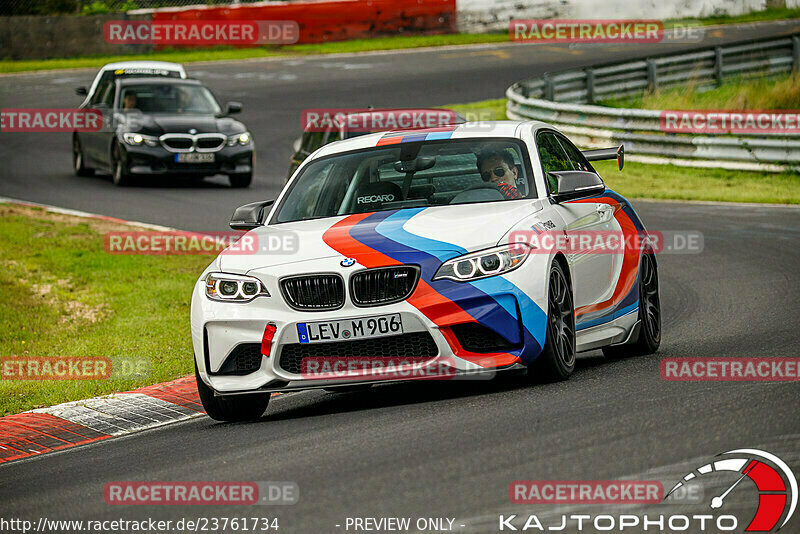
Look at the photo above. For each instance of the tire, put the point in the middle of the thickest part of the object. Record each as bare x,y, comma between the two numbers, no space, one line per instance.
78,162
233,408
649,337
241,180
119,175
557,360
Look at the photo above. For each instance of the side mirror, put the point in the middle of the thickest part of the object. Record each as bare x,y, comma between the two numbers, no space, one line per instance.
232,108
250,215
577,184
81,91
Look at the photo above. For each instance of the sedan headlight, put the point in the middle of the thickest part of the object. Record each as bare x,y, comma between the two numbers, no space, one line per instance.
241,139
137,139
485,263
234,287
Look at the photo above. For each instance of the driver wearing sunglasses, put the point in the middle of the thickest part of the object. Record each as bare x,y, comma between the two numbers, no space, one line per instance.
497,167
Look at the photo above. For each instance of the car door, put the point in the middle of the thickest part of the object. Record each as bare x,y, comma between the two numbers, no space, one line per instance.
98,142
89,140
594,272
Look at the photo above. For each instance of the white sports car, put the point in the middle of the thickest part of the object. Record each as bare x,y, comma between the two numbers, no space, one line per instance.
446,253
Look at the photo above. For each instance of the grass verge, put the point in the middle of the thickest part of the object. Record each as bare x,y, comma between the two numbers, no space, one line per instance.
63,295
231,53
761,93
671,182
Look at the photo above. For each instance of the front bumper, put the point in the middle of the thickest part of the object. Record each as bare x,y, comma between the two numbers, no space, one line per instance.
147,160
218,328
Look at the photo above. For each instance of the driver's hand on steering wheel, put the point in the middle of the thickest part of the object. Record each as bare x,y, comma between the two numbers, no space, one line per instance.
498,172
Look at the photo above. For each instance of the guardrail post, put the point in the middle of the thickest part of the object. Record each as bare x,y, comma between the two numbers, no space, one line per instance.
549,89
652,76
796,54
718,65
590,85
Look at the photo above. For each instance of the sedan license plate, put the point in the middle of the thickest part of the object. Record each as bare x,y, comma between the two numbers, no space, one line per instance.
360,328
195,157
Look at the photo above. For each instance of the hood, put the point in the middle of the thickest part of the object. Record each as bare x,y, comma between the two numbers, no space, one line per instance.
159,124
444,231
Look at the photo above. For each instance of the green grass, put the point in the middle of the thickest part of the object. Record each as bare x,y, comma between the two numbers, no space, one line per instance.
487,110
776,93
63,295
230,53
670,182
644,180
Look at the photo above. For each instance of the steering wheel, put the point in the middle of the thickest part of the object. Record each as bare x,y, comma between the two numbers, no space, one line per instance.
473,194
483,185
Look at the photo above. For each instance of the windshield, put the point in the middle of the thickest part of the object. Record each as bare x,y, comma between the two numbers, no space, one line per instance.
164,98
405,175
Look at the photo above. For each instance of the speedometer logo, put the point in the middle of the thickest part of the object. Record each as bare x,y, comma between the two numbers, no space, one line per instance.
776,484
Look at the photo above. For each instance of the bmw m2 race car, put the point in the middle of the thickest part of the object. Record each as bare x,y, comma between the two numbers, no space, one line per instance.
444,253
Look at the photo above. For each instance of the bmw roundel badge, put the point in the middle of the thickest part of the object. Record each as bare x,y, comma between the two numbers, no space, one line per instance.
347,262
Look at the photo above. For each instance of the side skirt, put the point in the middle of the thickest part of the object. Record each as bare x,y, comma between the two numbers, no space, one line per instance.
616,332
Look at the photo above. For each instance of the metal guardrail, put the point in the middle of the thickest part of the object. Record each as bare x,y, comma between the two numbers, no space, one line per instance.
566,100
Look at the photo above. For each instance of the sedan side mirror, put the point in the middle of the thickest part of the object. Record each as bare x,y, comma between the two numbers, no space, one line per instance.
81,91
231,108
250,215
577,184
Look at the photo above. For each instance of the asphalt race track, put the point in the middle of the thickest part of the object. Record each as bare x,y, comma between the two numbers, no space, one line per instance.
433,450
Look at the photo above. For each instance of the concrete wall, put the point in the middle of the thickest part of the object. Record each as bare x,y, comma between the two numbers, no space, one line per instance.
476,16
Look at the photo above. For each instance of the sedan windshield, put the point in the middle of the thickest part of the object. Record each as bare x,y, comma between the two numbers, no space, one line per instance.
164,98
405,175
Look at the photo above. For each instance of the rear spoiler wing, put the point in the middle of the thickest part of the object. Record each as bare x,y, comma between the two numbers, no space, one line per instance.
606,153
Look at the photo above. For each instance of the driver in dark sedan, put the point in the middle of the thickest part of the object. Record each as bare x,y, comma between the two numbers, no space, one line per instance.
129,101
497,166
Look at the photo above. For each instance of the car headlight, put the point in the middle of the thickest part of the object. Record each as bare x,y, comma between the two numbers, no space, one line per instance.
234,287
137,139
241,139
485,263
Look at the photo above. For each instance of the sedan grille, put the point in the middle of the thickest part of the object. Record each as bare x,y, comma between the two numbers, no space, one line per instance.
207,142
177,143
383,285
314,293
413,344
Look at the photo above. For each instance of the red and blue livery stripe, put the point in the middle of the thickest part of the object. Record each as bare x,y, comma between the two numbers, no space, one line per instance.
379,239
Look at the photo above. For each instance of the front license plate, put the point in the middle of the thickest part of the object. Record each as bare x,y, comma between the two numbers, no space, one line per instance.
360,328
195,157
